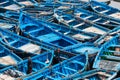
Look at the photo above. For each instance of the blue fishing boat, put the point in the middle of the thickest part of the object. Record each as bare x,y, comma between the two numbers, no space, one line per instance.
76,34
108,57
8,23
8,58
105,9
29,66
83,25
104,38
44,1
96,74
46,19
12,14
10,5
96,18
64,69
40,13
39,32
26,2
22,46
74,3
106,63
51,5
81,48
65,3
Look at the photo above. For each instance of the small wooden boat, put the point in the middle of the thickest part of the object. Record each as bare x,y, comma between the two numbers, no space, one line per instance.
22,46
105,9
10,5
64,69
39,63
12,15
97,19
104,38
51,5
96,74
26,2
41,13
109,57
39,32
83,25
9,24
8,58
63,3
38,13
74,3
81,48
76,34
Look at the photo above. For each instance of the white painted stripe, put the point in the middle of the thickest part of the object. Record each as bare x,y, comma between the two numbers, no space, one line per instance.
96,20
87,17
104,11
78,25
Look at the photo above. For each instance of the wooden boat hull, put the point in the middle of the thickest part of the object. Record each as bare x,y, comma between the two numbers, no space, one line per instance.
96,18
22,46
105,9
73,33
83,25
26,2
11,5
103,39
41,13
74,3
7,57
32,29
97,74
39,63
9,24
63,69
108,57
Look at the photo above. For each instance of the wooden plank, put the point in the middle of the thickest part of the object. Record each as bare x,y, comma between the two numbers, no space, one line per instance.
7,60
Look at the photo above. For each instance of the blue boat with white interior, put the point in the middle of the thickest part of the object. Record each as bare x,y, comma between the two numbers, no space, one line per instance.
108,57
34,30
96,18
81,48
71,22
96,74
22,46
104,38
104,9
26,2
63,69
9,24
74,3
40,13
10,5
38,63
73,33
7,57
